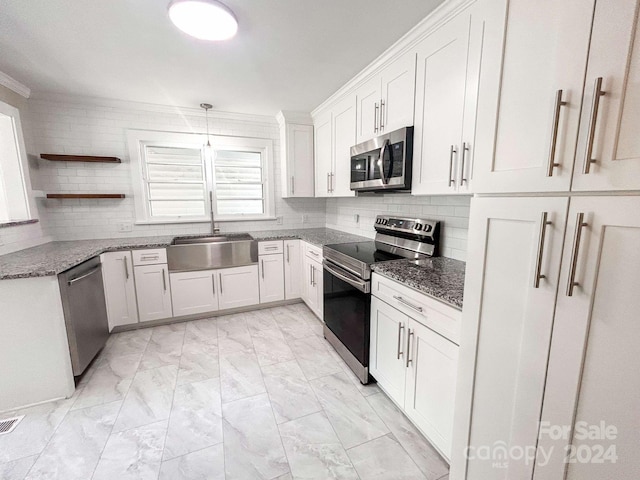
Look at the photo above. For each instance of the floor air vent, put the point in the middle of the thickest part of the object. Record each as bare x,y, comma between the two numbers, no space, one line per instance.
8,424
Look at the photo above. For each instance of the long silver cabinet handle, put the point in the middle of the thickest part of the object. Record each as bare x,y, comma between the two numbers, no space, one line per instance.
164,281
220,280
409,360
328,184
288,253
213,283
543,232
451,152
595,106
408,304
580,224
381,115
465,149
559,103
144,258
375,118
332,186
400,328
293,185
82,277
262,267
125,259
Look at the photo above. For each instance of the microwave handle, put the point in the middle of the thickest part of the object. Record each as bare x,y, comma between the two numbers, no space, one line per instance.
385,143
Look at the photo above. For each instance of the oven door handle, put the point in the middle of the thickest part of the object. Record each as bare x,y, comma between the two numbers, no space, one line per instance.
361,285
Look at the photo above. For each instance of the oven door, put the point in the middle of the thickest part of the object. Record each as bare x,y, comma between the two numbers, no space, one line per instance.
347,307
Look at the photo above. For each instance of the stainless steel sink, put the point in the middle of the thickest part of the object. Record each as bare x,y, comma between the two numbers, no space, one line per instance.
216,251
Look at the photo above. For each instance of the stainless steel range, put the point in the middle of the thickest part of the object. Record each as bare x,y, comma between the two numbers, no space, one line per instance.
347,284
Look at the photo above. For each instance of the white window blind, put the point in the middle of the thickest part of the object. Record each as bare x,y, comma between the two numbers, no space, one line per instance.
239,183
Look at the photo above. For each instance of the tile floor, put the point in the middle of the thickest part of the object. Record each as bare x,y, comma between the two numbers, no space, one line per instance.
258,395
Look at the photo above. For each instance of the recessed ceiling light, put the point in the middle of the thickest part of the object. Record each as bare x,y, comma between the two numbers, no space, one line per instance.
203,19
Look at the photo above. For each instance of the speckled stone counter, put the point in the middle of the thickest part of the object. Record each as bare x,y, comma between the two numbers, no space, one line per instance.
56,257
438,277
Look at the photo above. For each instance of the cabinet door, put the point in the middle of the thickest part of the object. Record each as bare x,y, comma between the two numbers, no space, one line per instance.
238,287
387,351
431,384
119,288
344,137
545,52
323,144
441,74
398,83
153,292
368,111
317,277
593,365
193,292
271,270
312,278
612,129
292,269
300,160
506,328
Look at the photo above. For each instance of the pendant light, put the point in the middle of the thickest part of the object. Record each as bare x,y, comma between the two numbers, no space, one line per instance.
207,147
203,19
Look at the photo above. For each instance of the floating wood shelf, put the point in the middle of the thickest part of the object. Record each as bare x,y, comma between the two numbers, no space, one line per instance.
85,195
79,158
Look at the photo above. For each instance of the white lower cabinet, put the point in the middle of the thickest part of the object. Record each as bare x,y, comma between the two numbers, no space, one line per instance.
119,288
153,292
271,269
416,366
194,292
238,287
312,278
292,269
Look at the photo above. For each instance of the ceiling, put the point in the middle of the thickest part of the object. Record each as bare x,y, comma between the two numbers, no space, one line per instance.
288,54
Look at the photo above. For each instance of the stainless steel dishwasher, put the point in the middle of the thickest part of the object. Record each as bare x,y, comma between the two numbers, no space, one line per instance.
85,312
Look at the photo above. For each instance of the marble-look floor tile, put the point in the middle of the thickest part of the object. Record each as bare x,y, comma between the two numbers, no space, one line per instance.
291,323
134,454
198,362
258,320
17,469
164,348
286,476
34,431
424,455
384,459
206,464
290,394
252,445
126,343
109,382
231,324
366,390
74,450
240,375
313,449
202,331
314,358
233,334
196,419
149,398
271,348
352,417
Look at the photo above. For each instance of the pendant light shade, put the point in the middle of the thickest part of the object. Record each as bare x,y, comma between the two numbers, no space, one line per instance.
203,19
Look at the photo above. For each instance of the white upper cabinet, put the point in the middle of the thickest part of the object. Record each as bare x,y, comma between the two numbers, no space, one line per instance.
119,288
536,103
608,156
296,139
335,134
386,102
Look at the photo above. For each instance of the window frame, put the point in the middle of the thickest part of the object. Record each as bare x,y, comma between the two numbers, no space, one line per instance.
138,140
17,204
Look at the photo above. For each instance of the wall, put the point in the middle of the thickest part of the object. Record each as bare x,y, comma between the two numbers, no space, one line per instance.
77,125
21,236
452,211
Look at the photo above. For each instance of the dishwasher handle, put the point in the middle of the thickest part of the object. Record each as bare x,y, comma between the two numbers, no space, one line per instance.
82,277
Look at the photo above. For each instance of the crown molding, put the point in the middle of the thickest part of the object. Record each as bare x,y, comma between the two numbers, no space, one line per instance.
99,102
286,116
14,85
439,16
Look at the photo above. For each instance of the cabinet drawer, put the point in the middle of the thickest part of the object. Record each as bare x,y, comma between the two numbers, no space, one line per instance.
267,248
433,314
150,256
313,252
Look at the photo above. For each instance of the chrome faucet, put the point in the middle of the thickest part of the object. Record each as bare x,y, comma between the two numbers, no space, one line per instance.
214,230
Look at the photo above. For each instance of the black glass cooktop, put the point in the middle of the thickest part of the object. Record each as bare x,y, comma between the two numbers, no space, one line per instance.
366,252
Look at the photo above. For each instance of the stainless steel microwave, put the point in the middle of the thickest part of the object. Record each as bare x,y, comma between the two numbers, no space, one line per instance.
384,163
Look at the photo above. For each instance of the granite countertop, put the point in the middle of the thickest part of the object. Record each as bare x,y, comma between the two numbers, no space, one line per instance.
438,277
56,257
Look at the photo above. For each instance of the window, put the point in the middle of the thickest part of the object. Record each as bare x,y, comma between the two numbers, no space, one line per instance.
14,201
178,179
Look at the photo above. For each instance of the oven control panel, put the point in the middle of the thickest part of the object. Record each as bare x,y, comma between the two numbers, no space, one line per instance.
414,226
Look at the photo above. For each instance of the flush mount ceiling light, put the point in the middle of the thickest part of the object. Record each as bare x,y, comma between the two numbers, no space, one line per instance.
203,19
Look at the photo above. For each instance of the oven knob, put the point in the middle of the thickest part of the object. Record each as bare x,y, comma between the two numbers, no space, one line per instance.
418,226
378,220
427,228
